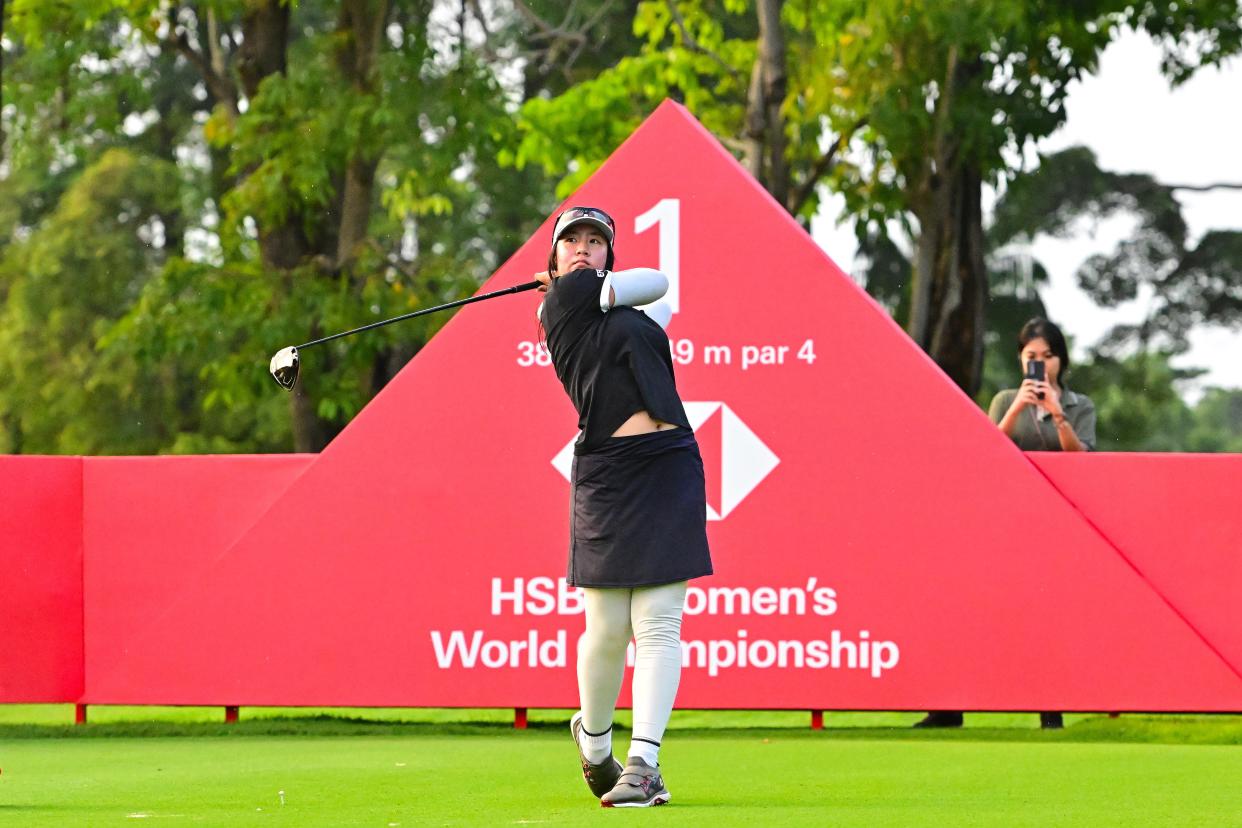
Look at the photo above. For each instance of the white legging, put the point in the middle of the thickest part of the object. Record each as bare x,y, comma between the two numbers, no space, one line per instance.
652,616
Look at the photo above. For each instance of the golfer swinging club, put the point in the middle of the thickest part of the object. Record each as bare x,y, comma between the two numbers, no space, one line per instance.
638,529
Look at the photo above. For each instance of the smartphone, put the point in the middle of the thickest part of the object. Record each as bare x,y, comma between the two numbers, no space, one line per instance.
1035,371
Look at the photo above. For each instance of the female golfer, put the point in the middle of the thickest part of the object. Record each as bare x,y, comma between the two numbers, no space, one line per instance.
638,527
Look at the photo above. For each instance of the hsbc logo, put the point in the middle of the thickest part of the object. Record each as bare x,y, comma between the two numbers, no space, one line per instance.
735,460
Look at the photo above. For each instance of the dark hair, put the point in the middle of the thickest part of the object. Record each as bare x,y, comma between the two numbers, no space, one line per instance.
1040,328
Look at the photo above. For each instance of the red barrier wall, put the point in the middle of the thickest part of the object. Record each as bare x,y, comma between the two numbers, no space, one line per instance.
878,543
40,579
1175,519
154,526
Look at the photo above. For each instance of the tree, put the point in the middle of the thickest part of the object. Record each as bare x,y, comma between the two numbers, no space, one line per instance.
1136,400
336,162
1128,374
1217,422
924,104
1136,390
66,283
1190,282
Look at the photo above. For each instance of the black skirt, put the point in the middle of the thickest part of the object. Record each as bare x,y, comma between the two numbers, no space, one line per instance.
639,512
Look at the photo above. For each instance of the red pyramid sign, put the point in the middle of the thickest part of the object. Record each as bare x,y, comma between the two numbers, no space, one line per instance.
879,543
709,434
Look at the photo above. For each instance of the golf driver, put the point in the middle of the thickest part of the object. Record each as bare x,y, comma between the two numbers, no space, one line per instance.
286,364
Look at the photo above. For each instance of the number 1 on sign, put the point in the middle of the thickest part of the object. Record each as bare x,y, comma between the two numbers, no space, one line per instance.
666,215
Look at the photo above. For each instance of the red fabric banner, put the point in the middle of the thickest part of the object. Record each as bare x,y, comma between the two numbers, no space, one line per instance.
40,579
878,543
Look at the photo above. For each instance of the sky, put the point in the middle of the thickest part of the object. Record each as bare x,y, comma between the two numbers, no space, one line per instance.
1134,121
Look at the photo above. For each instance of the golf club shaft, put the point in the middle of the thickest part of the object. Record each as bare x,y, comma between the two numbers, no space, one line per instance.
424,311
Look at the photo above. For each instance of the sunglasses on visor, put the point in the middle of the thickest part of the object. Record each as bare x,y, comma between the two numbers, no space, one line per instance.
578,213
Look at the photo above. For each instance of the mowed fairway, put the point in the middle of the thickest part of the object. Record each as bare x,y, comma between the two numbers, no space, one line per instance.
445,767
718,778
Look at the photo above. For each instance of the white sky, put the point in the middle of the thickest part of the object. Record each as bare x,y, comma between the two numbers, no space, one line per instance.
1135,122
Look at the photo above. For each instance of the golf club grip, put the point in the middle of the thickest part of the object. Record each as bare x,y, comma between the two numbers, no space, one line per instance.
424,312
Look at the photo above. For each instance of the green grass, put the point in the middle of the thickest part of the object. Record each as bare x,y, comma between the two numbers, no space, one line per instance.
451,767
19,715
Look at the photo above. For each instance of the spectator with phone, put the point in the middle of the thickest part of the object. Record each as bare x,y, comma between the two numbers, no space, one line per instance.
1042,414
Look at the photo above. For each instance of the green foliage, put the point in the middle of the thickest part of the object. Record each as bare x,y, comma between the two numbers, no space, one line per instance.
1217,422
173,357
197,326
1205,285
71,100
990,74
1136,401
872,70
1069,186
140,207
903,107
1194,34
1128,375
886,274
288,146
75,275
571,134
1190,283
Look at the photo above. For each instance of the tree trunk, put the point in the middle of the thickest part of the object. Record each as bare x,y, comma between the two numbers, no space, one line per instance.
360,29
765,128
1,82
308,430
263,52
265,38
949,287
950,278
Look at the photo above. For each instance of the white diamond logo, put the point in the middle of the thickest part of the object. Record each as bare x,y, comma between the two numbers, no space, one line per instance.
744,460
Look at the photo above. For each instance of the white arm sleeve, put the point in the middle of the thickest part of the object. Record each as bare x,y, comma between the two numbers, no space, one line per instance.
633,287
661,312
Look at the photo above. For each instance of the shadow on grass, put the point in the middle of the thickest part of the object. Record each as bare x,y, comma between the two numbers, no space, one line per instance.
1162,729
10,808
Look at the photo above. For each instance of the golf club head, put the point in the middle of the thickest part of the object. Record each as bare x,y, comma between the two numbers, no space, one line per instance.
285,367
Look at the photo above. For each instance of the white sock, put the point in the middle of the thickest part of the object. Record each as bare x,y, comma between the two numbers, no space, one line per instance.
646,751
596,748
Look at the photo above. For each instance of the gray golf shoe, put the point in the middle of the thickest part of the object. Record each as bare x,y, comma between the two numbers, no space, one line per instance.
640,786
599,778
